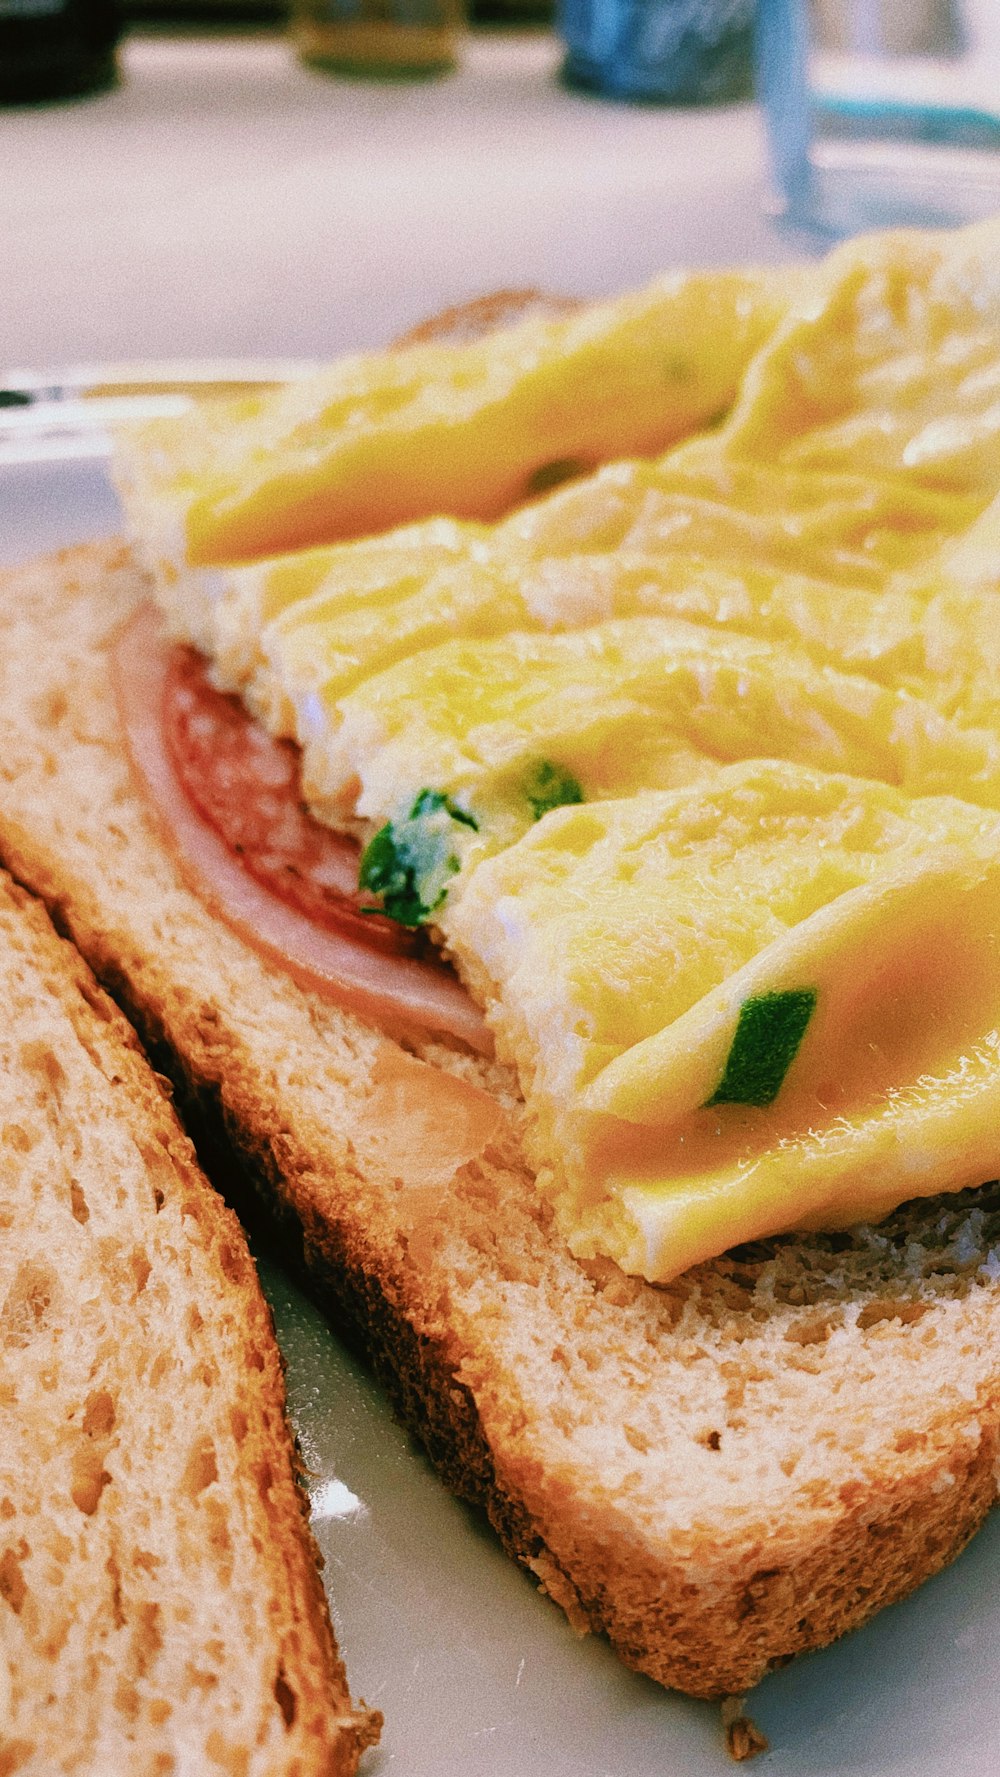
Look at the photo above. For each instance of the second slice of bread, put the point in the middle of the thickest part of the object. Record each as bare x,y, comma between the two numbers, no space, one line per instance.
720,1473
160,1605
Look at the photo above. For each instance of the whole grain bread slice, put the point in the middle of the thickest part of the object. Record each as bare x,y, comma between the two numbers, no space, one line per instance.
719,1473
160,1605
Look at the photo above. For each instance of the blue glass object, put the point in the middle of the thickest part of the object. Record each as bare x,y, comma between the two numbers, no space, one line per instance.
681,52
881,112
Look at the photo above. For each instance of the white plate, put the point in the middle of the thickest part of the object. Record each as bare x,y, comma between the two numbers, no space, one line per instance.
477,1674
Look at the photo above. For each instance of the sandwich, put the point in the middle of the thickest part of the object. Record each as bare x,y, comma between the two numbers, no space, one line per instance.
685,764
160,1599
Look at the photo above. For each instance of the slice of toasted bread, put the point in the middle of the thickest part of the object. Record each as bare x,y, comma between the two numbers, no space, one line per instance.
719,1473
160,1605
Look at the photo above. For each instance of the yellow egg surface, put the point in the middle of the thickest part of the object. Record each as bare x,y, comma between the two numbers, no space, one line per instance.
764,1002
860,459
632,704
466,430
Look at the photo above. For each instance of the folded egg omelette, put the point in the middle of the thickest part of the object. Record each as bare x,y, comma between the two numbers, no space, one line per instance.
693,763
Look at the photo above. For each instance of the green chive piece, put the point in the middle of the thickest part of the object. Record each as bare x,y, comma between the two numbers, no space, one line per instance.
550,475
768,1033
549,786
408,862
435,801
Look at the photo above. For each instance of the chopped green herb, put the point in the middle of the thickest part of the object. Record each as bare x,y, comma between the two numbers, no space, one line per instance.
550,475
408,862
549,786
433,801
768,1033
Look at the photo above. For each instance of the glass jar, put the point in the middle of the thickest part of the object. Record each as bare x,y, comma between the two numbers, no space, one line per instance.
381,39
682,52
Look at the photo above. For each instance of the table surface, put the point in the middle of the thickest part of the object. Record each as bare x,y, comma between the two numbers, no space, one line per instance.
225,201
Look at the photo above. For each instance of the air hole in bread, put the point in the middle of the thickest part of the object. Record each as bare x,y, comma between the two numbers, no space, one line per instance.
285,1698
230,1261
15,1136
78,1202
813,1330
14,1754
877,1311
228,1755
147,1636
13,1587
202,1468
127,1701
199,1679
99,1414
123,1271
141,1268
161,1369
26,1311
638,1439
88,1477
49,707
38,1058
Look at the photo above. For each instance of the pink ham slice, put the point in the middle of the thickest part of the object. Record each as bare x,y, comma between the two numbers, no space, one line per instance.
226,798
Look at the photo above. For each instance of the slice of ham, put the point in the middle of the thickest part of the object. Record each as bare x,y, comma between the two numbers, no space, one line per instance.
245,845
247,786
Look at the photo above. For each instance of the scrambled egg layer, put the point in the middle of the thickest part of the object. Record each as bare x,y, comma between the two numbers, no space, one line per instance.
690,761
637,703
766,1002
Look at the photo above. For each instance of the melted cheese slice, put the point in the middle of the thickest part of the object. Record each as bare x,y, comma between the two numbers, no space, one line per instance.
617,947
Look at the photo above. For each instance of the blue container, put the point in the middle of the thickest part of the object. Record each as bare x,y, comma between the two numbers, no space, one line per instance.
679,52
881,113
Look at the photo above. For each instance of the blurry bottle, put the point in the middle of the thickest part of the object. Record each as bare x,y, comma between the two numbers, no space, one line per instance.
680,52
380,39
53,49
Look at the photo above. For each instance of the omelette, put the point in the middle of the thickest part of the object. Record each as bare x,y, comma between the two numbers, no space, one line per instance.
692,764
469,429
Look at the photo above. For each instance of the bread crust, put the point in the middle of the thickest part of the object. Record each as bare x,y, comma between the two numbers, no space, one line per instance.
308,1724
667,1462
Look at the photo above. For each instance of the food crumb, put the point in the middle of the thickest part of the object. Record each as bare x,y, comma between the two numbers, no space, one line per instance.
743,1737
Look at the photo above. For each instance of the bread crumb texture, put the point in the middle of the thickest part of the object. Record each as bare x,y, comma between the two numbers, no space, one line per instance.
160,1610
719,1473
